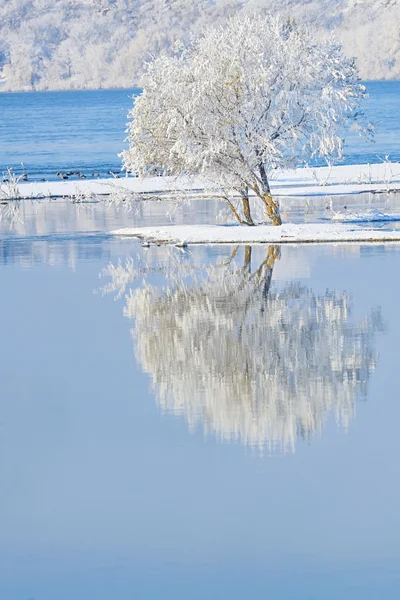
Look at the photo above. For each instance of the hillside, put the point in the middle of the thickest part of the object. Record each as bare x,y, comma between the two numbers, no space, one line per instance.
72,44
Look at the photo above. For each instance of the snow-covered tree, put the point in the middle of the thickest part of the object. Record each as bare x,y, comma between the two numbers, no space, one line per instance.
243,357
241,101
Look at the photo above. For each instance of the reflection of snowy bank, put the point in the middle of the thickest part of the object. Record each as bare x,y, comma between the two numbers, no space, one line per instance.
41,217
366,216
52,250
247,360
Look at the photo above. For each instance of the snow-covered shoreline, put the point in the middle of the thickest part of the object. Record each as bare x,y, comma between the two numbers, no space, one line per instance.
319,181
262,234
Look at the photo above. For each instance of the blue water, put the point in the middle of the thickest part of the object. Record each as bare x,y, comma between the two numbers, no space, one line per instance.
85,130
112,490
382,108
63,131
211,422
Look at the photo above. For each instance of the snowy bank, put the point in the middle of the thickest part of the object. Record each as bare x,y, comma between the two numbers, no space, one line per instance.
321,181
241,234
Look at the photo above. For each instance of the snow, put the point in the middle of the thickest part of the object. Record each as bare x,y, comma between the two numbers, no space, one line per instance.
237,107
101,43
322,181
240,234
102,187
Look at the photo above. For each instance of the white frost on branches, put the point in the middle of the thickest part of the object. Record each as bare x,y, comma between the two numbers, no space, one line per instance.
241,101
72,44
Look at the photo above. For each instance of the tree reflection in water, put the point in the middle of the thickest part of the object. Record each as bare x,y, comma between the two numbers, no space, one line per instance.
247,359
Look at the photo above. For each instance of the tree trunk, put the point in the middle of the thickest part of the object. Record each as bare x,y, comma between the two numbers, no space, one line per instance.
272,209
246,211
246,207
271,206
234,211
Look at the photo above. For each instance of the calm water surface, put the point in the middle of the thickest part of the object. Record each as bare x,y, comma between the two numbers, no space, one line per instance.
61,131
209,423
215,422
85,131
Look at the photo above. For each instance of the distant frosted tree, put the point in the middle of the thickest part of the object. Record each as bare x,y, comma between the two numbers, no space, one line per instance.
240,101
128,30
243,358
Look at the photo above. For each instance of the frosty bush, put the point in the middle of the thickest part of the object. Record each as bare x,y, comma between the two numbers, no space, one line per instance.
241,101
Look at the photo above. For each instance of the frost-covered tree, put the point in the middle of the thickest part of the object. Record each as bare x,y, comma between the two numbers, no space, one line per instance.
241,101
243,357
